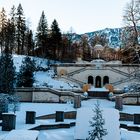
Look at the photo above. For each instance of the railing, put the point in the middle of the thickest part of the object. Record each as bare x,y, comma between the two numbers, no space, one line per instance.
122,81
76,71
73,80
120,72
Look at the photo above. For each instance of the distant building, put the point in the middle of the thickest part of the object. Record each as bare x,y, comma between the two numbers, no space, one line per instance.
98,73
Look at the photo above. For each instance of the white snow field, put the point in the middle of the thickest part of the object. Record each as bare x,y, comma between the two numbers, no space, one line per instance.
49,108
68,133
84,115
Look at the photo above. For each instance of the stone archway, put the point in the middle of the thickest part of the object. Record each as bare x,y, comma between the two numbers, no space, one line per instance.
106,80
98,82
90,80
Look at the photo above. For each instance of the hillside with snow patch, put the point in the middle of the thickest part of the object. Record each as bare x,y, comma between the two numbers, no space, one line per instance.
112,36
44,78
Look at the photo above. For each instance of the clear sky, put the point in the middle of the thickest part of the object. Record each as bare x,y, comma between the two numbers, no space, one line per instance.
80,15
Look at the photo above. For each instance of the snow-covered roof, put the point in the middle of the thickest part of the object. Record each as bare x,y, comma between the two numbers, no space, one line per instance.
22,135
98,61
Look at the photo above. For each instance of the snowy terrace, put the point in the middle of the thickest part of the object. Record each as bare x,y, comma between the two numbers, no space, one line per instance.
65,134
47,108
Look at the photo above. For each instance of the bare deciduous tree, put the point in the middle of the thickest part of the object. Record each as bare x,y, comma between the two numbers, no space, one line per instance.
131,19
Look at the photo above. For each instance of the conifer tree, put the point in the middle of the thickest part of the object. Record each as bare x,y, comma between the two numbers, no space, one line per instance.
29,43
97,123
56,40
12,29
41,35
7,73
20,30
7,69
25,78
3,24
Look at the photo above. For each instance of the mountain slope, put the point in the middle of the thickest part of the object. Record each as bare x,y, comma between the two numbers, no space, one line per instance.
112,36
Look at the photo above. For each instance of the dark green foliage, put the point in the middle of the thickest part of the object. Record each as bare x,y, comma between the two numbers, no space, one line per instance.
7,73
56,40
26,77
6,99
20,30
3,24
12,29
3,103
29,43
97,123
41,35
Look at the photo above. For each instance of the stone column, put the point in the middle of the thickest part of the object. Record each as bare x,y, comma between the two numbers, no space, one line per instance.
77,101
59,116
119,103
30,117
8,121
136,118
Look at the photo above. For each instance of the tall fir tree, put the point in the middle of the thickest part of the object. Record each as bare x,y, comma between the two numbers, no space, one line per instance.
56,40
25,78
69,36
41,35
97,130
13,29
29,43
3,24
7,70
20,30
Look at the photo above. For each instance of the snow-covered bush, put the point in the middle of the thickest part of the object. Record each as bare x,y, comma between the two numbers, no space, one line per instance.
6,100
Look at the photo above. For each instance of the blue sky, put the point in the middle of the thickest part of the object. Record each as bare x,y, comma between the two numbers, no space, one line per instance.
80,15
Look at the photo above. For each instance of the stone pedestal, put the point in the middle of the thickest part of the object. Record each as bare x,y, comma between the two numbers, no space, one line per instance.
136,118
77,101
30,117
119,103
59,116
8,121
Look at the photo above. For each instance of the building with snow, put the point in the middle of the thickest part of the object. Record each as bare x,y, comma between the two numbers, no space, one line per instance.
98,73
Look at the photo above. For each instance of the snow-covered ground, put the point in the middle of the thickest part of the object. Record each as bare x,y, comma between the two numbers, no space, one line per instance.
45,78
64,134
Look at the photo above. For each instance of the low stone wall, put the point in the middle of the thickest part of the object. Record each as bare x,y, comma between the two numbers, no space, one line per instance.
102,94
130,128
25,94
131,99
126,117
36,95
67,115
45,97
53,126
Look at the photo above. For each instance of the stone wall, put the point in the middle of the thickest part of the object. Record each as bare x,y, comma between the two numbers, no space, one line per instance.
25,94
45,97
126,117
67,115
131,99
36,95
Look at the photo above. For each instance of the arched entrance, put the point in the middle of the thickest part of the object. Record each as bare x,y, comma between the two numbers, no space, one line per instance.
90,80
106,80
98,82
